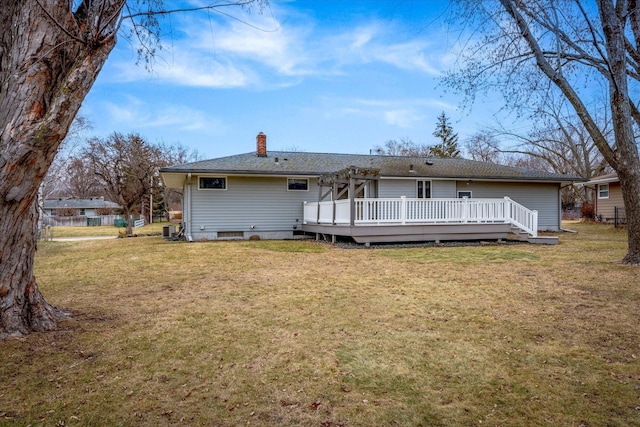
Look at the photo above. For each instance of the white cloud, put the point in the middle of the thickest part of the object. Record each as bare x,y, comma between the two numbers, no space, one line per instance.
137,114
404,118
224,53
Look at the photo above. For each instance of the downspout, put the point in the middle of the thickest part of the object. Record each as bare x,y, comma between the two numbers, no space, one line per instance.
188,208
560,206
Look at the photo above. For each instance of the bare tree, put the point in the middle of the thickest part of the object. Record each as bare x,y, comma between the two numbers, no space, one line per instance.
125,166
483,147
51,52
403,147
81,181
56,181
534,48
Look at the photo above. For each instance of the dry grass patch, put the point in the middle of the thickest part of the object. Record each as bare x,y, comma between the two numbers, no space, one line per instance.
302,333
105,230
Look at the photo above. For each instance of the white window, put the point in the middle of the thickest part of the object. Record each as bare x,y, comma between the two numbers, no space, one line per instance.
423,189
463,194
603,191
212,183
297,184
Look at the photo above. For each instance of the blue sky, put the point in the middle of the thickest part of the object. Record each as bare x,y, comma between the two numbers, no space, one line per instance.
316,76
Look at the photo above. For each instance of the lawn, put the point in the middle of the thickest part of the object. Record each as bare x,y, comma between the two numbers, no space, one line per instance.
104,230
308,334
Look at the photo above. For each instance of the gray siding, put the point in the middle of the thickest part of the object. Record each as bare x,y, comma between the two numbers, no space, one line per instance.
393,188
261,202
443,189
274,212
536,196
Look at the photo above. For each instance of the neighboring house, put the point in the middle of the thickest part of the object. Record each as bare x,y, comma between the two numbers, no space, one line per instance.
276,194
94,211
607,198
83,207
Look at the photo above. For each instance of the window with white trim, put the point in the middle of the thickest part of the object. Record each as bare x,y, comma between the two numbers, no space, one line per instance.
423,188
603,191
297,184
212,183
463,194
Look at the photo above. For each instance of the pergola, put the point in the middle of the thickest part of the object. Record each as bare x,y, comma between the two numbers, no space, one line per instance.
348,183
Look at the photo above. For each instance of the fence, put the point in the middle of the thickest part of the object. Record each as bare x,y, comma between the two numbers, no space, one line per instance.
78,220
619,217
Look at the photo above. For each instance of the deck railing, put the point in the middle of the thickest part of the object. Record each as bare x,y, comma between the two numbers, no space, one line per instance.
422,211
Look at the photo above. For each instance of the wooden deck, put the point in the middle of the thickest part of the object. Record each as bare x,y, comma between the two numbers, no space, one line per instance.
411,233
422,220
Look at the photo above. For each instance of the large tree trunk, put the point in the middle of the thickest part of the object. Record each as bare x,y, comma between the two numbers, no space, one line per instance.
630,186
22,307
49,59
624,158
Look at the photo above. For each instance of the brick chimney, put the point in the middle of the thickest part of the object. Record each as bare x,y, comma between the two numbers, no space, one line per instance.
261,145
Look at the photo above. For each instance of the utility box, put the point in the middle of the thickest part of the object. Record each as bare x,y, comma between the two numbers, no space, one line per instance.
168,231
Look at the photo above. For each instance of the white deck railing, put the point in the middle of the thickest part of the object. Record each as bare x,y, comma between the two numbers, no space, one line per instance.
422,211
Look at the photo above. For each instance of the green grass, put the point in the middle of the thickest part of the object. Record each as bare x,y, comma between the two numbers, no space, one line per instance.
305,333
105,230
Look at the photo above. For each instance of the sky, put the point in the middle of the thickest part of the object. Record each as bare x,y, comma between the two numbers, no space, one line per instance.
314,75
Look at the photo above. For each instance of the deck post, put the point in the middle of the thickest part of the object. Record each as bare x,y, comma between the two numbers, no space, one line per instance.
334,197
403,209
319,200
352,201
466,212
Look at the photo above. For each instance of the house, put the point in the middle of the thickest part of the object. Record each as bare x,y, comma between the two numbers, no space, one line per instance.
371,198
83,207
607,198
79,212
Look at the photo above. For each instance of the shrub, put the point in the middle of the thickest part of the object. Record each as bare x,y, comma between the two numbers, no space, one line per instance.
587,212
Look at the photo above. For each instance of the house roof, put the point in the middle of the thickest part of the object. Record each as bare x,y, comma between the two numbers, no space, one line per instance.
316,164
78,204
603,179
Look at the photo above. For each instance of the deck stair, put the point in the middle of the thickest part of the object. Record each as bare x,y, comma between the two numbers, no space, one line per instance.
524,236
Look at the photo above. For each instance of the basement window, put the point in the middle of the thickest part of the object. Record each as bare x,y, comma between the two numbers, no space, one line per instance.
297,184
230,234
603,191
212,183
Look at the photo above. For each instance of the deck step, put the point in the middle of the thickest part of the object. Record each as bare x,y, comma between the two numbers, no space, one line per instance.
539,240
544,240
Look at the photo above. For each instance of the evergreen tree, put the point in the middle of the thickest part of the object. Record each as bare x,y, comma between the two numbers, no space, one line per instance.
449,145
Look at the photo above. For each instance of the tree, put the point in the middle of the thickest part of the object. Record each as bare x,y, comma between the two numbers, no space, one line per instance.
51,52
403,147
483,147
540,47
125,166
448,147
56,181
81,179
